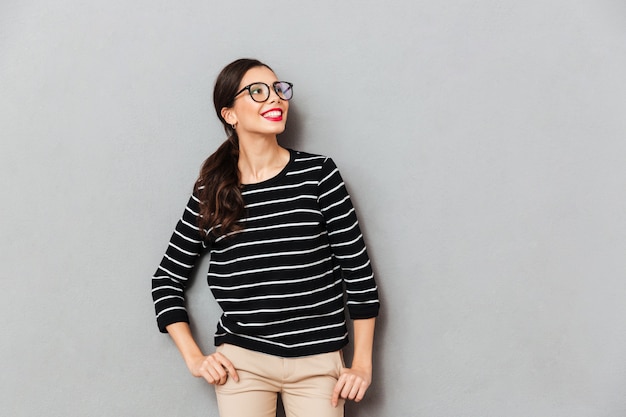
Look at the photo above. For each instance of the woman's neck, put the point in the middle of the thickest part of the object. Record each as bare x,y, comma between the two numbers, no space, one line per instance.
260,159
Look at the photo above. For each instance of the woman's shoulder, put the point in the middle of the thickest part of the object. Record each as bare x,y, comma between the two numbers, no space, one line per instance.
308,157
311,166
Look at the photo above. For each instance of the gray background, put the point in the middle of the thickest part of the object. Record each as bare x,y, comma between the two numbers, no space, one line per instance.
482,141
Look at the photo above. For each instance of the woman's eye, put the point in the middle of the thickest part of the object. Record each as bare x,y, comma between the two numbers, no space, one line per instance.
257,91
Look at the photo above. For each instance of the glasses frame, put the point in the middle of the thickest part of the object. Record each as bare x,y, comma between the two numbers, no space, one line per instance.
274,87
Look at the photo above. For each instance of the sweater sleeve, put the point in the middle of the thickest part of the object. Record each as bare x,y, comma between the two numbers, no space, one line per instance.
174,271
347,244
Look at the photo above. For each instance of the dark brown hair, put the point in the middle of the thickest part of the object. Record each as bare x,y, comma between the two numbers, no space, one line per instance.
218,187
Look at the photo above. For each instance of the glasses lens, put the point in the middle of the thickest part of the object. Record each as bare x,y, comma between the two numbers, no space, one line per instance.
283,89
259,92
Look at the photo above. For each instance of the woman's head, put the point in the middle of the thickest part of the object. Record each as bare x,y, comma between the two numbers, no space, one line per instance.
247,89
227,85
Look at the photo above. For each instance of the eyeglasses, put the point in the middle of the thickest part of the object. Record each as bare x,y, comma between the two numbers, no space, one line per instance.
260,92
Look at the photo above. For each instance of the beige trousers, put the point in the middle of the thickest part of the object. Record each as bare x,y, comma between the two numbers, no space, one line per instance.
305,384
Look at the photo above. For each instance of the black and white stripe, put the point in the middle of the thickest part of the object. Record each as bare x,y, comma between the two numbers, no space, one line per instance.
280,281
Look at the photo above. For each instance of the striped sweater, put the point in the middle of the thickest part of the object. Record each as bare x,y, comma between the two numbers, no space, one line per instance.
283,282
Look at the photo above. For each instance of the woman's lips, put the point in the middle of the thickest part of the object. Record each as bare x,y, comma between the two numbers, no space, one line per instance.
274,115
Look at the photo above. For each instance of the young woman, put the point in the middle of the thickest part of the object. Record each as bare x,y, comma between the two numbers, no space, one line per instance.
286,259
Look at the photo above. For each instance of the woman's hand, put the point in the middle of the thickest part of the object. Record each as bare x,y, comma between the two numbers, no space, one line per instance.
352,384
215,368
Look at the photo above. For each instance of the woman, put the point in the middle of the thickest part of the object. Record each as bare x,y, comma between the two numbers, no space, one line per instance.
284,241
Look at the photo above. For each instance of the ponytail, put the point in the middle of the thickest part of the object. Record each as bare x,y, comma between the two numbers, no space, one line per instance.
219,192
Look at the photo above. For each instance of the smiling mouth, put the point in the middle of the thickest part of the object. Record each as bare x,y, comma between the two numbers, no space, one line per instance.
273,115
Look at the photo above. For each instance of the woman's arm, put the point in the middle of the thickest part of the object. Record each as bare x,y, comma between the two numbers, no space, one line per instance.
348,246
175,270
214,368
354,381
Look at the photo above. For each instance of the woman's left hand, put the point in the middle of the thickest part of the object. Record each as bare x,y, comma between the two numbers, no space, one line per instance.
352,384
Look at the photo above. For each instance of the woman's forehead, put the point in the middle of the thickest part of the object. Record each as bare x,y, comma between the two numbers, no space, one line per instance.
258,74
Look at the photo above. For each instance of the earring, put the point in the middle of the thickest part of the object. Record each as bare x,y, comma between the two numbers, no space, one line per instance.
234,126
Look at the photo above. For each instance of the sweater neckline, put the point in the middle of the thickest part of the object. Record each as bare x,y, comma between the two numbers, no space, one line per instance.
245,187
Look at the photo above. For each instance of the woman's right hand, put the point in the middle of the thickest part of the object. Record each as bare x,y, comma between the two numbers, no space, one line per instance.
215,368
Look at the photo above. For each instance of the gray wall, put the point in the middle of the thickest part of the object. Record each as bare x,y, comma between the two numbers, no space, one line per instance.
482,141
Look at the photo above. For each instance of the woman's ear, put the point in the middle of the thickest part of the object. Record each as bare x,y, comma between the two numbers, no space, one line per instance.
229,115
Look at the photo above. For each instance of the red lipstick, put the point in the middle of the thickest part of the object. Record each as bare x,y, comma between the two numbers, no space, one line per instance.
273,115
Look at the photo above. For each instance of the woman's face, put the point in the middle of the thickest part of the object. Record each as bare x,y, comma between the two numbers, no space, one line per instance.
266,118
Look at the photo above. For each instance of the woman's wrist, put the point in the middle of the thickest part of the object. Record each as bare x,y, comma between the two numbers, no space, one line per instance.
363,344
